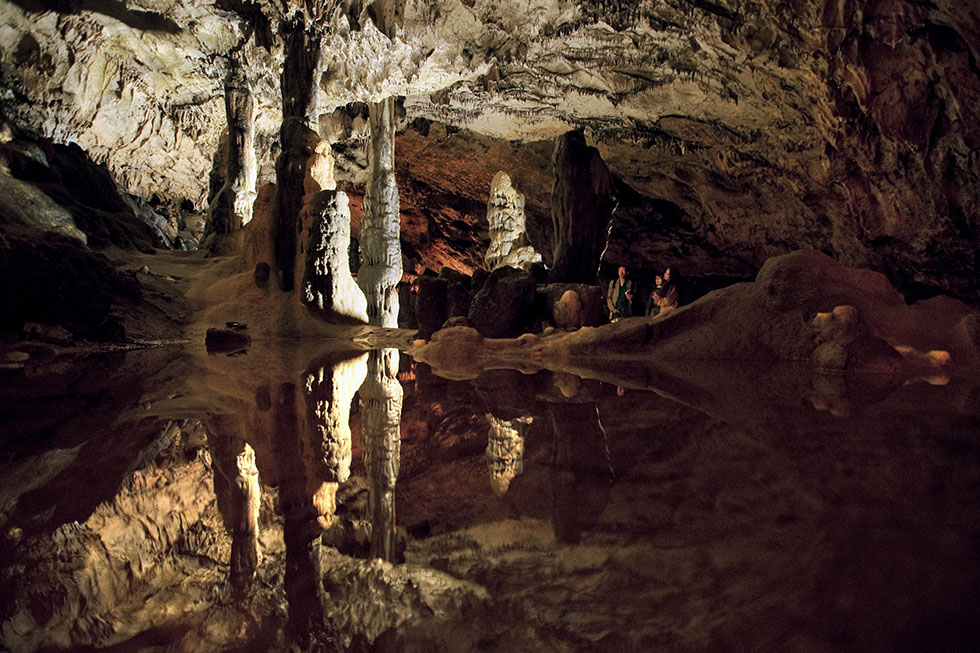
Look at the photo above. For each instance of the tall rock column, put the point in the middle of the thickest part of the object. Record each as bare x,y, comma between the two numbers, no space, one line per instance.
381,258
238,494
381,409
582,201
231,208
302,58
508,228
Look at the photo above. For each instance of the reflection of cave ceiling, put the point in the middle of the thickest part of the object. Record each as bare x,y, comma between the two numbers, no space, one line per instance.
844,125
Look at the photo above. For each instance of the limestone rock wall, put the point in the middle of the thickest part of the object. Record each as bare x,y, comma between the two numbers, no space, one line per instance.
848,127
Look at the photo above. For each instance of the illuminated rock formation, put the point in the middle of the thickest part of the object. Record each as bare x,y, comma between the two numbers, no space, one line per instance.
330,389
381,259
245,534
505,452
327,283
508,231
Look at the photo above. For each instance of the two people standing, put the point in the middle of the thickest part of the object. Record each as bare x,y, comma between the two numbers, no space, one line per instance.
663,299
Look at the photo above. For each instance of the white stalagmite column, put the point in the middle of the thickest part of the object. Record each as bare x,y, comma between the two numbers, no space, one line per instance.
505,451
328,284
381,259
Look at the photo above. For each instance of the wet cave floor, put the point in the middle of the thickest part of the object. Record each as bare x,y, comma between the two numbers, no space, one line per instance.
717,508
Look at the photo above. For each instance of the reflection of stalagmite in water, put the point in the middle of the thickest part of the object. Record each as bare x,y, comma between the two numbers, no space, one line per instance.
245,530
236,488
505,451
303,580
583,474
330,389
381,400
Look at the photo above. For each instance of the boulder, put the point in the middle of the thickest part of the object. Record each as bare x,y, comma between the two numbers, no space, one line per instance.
458,299
590,298
503,305
430,305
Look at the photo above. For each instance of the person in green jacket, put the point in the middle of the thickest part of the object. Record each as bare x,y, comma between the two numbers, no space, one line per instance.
619,299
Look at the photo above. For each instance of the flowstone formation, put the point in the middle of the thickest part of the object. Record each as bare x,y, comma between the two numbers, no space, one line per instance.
765,320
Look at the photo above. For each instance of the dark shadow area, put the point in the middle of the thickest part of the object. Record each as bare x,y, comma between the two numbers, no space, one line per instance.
147,21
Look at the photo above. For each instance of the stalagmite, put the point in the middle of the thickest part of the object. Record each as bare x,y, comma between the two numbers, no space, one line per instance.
381,264
582,202
508,230
381,400
328,284
505,451
231,208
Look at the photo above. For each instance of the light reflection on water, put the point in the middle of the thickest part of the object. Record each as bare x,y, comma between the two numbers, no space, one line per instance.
166,496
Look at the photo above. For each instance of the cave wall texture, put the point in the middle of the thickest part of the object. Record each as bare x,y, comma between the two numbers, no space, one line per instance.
735,130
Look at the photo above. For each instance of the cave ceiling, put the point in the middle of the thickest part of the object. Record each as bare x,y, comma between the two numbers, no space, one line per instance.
842,125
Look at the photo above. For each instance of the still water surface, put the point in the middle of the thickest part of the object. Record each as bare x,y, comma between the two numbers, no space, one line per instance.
170,500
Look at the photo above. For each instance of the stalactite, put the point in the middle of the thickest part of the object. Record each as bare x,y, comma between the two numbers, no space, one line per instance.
381,399
246,495
237,491
582,474
303,578
381,264
330,389
231,208
298,112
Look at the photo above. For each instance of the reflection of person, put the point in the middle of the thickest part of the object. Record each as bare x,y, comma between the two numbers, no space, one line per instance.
665,297
620,296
